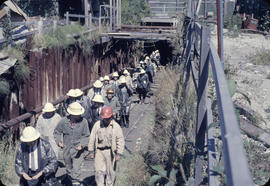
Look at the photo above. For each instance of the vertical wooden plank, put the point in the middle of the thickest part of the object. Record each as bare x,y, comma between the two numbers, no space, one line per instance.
202,104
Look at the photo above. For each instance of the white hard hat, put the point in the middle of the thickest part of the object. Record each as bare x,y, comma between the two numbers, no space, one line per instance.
98,84
147,58
125,72
75,108
48,107
78,92
106,78
142,71
123,79
29,134
98,98
72,93
101,79
115,74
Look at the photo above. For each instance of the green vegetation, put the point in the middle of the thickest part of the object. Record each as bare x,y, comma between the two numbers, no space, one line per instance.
261,57
264,22
4,88
176,41
20,72
233,24
171,145
38,7
133,11
7,161
132,170
65,36
258,159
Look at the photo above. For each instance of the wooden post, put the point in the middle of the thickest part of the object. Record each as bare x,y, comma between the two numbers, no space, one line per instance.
67,18
90,20
117,12
40,26
120,12
86,12
9,38
202,104
54,25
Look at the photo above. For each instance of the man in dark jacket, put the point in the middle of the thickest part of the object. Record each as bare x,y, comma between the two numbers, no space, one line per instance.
35,162
95,110
75,133
142,85
124,93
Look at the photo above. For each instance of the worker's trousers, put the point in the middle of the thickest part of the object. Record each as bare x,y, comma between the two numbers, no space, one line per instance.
104,165
73,164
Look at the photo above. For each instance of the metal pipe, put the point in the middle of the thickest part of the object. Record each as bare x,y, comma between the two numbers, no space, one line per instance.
220,30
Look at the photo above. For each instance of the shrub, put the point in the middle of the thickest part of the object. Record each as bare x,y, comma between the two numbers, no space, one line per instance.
134,10
233,24
261,57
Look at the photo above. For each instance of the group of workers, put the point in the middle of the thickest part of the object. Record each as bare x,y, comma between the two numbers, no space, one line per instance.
89,129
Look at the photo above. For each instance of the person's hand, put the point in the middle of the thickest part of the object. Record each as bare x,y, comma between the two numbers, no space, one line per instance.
60,144
117,157
92,155
37,176
79,148
26,177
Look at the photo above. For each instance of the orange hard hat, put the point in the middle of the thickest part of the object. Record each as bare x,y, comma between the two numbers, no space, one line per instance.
106,112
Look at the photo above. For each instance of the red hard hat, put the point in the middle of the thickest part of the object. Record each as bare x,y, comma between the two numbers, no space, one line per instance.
106,112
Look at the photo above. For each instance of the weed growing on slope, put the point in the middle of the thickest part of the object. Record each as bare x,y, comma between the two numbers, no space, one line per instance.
7,162
171,145
261,57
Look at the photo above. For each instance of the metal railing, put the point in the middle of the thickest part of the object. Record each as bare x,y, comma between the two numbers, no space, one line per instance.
235,160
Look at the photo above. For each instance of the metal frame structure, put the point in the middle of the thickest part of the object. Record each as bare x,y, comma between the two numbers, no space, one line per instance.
235,160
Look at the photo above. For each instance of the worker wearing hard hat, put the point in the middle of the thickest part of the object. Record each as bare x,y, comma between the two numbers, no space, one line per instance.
96,90
106,145
124,94
72,134
142,85
46,124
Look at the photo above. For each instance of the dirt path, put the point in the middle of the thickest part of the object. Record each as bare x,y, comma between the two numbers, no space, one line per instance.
136,137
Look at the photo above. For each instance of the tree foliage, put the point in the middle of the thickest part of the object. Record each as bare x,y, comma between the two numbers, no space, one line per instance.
38,7
134,10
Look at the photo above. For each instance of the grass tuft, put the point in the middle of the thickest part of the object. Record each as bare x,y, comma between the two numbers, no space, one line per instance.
261,57
132,170
7,164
